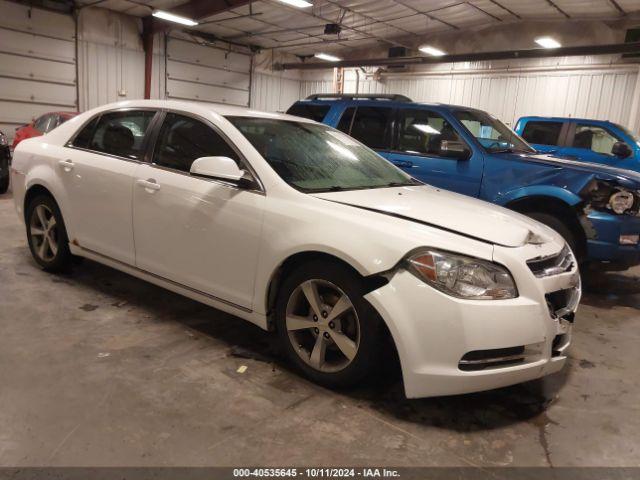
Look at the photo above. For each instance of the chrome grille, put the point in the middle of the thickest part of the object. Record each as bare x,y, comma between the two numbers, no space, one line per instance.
553,264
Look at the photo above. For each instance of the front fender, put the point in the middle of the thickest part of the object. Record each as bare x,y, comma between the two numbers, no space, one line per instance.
552,191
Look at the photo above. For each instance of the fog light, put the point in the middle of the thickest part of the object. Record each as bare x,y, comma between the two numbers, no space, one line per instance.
629,239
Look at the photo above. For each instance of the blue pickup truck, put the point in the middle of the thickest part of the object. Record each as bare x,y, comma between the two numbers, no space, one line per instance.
596,141
595,207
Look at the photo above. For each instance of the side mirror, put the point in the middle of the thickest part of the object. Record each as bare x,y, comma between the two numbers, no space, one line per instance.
220,168
621,150
454,149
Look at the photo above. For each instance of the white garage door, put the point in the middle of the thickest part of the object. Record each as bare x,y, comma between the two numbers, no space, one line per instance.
207,74
37,64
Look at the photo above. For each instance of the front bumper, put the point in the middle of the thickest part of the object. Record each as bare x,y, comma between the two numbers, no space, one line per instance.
433,332
603,242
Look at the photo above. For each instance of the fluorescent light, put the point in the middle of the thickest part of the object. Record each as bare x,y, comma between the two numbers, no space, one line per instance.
548,42
298,3
432,51
327,57
174,18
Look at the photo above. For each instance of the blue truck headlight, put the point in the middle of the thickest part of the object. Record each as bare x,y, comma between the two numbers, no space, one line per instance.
621,201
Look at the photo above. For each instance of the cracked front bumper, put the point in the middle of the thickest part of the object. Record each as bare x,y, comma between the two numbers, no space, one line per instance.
433,332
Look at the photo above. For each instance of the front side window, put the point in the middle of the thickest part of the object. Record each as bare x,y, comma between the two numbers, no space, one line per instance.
422,132
183,139
542,133
117,133
492,134
312,112
594,138
316,158
371,126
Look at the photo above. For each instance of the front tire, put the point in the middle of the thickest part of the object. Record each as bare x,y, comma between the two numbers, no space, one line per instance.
47,234
326,327
559,226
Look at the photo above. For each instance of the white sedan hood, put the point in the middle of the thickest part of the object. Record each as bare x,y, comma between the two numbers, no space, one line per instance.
447,210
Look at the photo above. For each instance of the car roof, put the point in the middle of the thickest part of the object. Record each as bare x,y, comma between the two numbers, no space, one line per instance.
202,108
393,103
563,119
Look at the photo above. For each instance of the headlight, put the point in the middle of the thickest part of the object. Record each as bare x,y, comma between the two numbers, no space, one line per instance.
461,276
621,201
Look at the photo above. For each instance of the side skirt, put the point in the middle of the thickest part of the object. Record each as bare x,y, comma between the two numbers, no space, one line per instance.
202,297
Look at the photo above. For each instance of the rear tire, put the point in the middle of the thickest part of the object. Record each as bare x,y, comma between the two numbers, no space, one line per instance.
47,234
337,341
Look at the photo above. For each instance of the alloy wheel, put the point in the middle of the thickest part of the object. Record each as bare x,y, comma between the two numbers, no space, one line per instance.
44,233
323,325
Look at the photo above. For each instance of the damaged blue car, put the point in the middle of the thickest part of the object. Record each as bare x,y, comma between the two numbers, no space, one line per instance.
594,207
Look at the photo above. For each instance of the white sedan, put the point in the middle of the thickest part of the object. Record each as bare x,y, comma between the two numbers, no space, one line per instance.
300,229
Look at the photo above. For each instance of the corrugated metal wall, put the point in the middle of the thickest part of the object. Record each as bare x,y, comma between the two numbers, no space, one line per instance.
273,92
601,93
37,64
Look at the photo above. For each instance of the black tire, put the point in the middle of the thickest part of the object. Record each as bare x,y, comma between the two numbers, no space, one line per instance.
371,331
559,226
52,262
4,176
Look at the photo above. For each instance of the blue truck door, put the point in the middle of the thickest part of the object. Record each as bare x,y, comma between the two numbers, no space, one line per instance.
423,149
589,142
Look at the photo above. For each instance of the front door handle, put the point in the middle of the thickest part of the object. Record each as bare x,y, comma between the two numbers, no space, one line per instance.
403,163
67,165
149,185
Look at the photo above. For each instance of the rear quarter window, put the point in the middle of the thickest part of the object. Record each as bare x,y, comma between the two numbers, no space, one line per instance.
312,112
542,133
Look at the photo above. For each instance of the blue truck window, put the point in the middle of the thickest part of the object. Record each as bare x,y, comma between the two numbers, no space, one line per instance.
594,138
542,133
372,126
344,125
312,112
422,131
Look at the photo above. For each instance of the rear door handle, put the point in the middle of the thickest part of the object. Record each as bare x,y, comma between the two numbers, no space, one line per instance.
149,185
402,163
67,165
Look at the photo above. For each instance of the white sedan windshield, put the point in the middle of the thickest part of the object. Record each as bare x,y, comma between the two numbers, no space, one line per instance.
316,158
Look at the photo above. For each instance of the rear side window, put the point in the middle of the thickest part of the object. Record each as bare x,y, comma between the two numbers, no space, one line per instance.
372,126
542,133
117,133
312,112
344,125
184,139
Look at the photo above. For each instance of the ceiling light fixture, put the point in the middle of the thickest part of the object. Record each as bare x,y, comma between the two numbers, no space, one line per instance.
327,57
298,3
170,17
431,51
548,42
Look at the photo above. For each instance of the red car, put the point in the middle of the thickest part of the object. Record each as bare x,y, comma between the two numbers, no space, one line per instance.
41,125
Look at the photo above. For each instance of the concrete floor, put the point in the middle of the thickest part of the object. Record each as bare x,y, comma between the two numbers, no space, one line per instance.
99,368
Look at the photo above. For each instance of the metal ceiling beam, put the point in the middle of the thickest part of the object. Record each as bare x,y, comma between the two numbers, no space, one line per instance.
374,20
497,4
427,14
327,20
617,6
615,48
553,4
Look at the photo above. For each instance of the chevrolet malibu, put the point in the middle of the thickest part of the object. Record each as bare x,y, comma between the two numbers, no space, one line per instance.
302,230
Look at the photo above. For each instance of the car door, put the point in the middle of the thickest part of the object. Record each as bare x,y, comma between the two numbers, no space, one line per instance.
421,134
199,232
97,170
589,142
